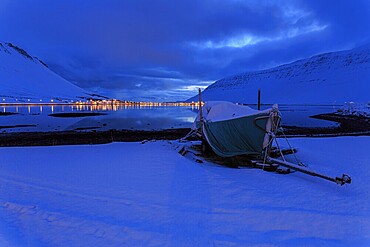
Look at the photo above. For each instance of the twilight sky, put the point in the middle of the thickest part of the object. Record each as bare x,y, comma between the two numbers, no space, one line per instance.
165,49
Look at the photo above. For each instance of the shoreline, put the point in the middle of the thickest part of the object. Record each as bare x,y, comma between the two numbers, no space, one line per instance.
57,138
348,126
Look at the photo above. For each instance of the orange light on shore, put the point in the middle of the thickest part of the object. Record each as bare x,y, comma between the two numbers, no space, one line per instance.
105,104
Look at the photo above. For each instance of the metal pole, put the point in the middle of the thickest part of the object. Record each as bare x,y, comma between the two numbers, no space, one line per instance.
339,180
259,100
200,111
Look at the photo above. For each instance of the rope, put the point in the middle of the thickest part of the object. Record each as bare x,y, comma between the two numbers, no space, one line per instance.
278,146
291,148
277,128
272,132
268,145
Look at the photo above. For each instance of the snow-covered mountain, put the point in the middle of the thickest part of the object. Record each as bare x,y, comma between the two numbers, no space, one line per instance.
24,78
330,78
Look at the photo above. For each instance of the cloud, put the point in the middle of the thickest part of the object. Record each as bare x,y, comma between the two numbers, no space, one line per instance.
153,47
243,40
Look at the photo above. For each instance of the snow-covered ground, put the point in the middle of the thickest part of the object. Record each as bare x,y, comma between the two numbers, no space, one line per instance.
356,109
133,194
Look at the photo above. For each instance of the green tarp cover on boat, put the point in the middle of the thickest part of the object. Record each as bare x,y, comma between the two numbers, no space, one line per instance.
232,129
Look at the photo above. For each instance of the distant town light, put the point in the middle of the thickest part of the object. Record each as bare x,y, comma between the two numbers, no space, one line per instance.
3,99
28,100
52,100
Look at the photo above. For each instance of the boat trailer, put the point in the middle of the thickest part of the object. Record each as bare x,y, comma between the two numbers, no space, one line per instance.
270,163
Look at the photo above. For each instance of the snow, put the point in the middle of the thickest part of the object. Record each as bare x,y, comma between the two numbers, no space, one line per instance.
214,111
330,78
27,79
355,109
147,194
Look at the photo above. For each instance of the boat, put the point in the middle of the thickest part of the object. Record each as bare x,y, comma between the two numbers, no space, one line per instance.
234,130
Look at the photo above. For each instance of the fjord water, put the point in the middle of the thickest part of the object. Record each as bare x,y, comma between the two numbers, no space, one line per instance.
37,118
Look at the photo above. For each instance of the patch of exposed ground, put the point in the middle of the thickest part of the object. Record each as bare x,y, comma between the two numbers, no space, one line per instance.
7,113
86,137
77,114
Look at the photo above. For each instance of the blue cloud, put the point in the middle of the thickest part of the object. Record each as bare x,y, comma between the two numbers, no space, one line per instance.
138,48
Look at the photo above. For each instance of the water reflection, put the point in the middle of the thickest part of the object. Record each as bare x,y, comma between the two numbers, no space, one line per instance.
116,117
133,117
